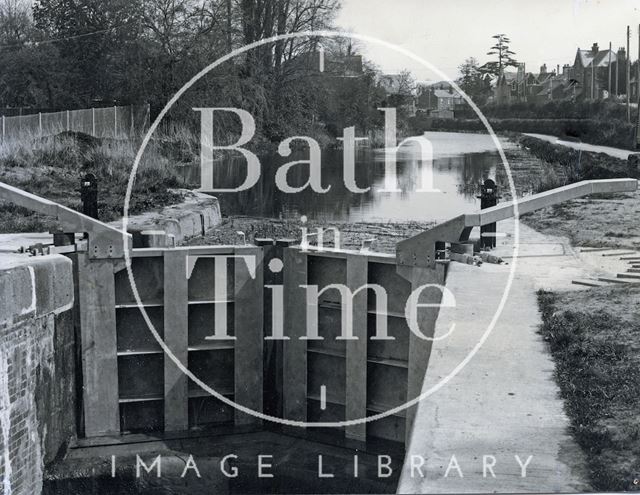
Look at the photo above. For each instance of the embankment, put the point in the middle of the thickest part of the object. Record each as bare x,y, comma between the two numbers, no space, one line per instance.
599,221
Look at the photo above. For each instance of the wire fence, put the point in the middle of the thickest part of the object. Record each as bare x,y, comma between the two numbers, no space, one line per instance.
118,122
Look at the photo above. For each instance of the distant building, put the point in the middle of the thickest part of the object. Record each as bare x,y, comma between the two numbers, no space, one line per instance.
590,72
328,64
446,103
595,74
503,90
441,85
398,88
391,83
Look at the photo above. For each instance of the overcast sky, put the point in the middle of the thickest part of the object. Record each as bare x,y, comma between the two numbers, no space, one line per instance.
446,32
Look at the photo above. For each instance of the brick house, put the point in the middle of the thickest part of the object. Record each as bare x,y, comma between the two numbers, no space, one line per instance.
590,72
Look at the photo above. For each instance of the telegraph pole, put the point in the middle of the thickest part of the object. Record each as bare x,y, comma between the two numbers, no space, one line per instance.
628,85
638,71
617,72
593,76
609,85
638,93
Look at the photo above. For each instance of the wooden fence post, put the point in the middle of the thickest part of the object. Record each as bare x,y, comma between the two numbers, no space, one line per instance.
115,121
3,124
93,121
40,122
68,126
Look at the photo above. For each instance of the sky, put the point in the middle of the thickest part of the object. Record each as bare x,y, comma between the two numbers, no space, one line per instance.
446,32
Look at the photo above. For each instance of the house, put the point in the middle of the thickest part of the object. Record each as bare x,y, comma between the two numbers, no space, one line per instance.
553,87
393,84
441,85
502,90
400,91
327,64
446,103
590,72
512,87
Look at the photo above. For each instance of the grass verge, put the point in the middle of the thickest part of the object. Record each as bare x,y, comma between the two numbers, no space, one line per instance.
594,337
53,167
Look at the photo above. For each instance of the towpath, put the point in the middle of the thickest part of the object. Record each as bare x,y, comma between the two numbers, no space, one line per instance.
615,152
505,402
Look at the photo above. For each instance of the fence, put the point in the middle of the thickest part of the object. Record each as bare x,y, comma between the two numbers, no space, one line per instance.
112,122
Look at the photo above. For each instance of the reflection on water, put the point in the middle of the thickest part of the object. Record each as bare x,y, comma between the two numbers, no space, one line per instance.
461,162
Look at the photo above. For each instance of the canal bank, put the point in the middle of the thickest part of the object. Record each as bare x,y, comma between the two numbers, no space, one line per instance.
505,401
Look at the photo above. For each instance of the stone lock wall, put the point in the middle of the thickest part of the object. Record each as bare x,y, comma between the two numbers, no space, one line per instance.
37,363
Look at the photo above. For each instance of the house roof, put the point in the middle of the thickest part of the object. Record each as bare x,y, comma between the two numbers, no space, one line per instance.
601,58
442,93
390,82
543,77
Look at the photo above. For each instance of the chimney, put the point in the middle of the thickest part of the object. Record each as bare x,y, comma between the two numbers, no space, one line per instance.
543,69
595,49
558,70
565,69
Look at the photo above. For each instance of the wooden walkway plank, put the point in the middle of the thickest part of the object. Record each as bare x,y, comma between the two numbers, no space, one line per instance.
356,350
295,350
248,328
176,325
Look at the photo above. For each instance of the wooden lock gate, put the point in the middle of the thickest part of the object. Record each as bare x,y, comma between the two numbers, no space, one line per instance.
130,385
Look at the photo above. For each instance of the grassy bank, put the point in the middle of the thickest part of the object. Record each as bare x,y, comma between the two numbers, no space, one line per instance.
604,132
605,220
593,336
53,167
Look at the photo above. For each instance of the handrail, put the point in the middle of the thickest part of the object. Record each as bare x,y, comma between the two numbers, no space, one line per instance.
420,249
104,240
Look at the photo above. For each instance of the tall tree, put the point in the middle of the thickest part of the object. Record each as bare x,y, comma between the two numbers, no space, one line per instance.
504,54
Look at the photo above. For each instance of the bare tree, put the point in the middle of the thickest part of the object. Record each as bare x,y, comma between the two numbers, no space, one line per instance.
15,21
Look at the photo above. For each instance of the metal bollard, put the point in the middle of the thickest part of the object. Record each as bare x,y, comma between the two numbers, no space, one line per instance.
632,165
488,198
89,195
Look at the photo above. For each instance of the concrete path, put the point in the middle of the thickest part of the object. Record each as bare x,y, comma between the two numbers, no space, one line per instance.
615,152
10,243
504,403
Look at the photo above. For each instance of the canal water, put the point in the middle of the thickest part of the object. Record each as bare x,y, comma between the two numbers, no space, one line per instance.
460,163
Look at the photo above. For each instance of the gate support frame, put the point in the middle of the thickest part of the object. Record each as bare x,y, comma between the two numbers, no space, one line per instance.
97,319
